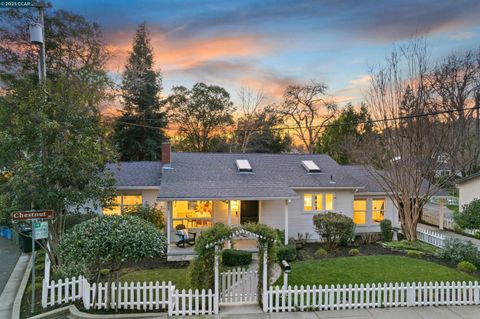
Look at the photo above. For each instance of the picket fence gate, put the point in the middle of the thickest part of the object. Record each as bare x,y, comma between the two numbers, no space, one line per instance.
238,286
334,297
431,237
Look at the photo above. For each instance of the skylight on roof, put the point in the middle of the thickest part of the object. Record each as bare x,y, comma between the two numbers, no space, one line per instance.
311,167
243,166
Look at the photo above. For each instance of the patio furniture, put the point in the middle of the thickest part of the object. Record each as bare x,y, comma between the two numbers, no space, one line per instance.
185,236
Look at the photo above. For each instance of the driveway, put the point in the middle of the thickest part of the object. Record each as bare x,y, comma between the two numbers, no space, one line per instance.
434,209
9,253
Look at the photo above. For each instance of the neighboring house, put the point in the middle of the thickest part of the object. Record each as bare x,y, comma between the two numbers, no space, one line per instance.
282,191
468,189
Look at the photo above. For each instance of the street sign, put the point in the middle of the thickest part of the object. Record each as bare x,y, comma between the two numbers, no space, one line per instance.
41,230
33,214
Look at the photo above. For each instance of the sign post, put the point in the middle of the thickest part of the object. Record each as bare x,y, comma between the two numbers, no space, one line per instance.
39,231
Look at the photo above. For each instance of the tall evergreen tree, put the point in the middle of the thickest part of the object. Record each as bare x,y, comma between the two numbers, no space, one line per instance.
141,86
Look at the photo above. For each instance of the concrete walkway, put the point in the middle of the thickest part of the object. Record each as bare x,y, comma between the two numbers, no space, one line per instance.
449,233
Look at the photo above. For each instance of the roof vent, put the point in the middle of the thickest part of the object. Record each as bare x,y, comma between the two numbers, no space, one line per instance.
243,166
311,167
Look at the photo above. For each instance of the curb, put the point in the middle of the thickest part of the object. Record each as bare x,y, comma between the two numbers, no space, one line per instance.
21,289
73,312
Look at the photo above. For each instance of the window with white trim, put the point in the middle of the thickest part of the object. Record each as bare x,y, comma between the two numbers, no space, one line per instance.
318,202
121,203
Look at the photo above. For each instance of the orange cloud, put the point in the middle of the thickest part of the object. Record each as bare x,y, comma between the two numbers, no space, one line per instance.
174,54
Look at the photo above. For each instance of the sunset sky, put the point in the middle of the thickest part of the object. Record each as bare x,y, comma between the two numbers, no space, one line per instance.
270,44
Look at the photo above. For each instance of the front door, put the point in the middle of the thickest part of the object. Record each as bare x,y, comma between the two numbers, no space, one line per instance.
249,211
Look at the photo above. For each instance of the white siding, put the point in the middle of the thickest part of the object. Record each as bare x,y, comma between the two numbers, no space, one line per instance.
468,191
302,222
272,213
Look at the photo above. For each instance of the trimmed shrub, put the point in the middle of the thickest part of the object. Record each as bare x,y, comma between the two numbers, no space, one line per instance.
280,236
386,230
457,250
466,266
414,253
321,252
354,252
336,228
288,253
233,257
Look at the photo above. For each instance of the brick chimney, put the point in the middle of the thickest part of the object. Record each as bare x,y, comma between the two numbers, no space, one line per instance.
166,153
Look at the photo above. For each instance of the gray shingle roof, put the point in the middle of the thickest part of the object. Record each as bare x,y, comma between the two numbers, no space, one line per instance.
215,175
136,174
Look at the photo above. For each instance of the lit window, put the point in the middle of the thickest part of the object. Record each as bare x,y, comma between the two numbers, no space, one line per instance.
378,210
360,211
318,201
307,202
122,203
192,214
329,201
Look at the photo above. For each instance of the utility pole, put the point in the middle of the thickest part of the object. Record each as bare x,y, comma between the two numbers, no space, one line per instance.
37,36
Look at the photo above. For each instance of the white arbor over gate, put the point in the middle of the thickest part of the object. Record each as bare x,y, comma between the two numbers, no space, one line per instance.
239,231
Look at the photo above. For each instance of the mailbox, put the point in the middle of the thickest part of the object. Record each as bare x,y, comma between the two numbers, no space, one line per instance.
286,267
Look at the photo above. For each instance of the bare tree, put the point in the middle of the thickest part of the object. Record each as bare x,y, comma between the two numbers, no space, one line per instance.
456,81
403,156
250,104
309,109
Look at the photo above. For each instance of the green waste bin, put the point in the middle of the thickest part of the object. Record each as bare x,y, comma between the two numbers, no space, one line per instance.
25,241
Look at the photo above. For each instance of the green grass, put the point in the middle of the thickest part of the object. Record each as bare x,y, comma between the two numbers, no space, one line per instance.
370,269
178,276
412,245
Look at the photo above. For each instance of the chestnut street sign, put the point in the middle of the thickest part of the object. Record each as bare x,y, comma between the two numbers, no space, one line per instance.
33,214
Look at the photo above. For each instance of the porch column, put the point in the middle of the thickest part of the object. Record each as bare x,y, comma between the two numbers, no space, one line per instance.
286,222
442,213
169,220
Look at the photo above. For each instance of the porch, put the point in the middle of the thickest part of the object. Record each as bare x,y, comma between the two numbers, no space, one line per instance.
175,253
198,215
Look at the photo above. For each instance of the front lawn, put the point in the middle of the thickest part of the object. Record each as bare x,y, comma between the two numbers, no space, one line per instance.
178,276
370,269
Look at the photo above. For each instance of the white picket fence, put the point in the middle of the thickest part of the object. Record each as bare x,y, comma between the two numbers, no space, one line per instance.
60,292
336,297
431,237
158,296
238,286
197,302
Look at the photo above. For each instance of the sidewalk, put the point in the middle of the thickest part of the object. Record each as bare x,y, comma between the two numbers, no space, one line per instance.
449,233
7,298
9,253
450,312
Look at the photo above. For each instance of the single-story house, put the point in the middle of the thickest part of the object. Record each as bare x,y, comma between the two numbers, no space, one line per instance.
284,191
468,189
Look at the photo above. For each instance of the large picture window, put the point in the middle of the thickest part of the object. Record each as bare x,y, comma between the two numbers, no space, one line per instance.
317,202
378,210
192,214
122,203
360,211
